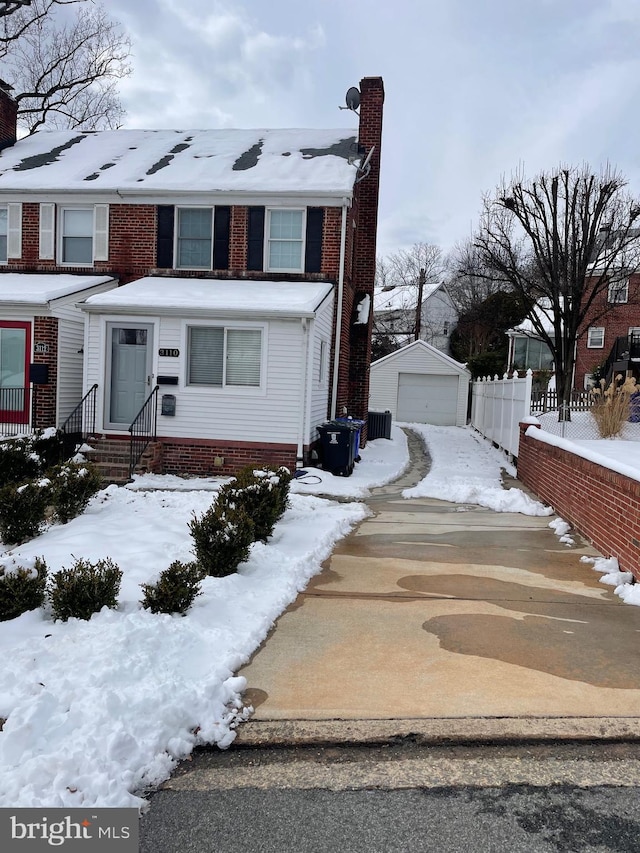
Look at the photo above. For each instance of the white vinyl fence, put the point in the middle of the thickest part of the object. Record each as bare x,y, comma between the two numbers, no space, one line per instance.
498,406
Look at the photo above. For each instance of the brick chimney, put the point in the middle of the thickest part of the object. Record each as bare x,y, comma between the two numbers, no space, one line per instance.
365,213
8,116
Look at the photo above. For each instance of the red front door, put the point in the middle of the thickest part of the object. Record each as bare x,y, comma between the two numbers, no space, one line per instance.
15,351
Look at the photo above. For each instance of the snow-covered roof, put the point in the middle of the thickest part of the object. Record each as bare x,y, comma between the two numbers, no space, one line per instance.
139,161
544,315
219,297
35,289
403,297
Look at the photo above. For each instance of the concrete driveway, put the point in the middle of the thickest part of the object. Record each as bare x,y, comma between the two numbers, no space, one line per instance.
437,611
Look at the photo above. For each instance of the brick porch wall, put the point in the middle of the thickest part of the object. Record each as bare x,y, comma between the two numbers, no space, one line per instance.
197,457
603,505
45,331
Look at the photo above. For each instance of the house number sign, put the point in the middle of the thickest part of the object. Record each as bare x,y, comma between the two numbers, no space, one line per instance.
41,348
169,353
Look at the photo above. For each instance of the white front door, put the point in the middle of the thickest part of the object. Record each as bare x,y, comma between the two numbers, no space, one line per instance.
129,377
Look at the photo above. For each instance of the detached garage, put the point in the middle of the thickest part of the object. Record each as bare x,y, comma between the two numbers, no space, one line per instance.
420,384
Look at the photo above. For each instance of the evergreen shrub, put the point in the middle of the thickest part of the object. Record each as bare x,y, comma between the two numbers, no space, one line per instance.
22,586
222,536
262,493
84,589
73,484
176,589
23,509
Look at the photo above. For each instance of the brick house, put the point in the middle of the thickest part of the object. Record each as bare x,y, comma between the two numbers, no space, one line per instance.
244,259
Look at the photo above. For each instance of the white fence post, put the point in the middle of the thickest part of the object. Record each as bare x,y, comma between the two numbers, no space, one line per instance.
498,406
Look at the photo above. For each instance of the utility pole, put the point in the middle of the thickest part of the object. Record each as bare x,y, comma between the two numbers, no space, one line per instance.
421,281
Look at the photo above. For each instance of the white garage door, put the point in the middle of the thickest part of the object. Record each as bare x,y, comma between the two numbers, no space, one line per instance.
427,399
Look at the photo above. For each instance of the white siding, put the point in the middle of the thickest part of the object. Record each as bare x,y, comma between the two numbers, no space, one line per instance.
269,414
70,342
320,390
415,358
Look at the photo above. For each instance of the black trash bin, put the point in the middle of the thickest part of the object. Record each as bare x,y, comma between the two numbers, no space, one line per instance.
358,425
338,442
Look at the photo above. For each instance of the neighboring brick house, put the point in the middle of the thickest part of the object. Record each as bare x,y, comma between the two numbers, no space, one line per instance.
243,258
612,332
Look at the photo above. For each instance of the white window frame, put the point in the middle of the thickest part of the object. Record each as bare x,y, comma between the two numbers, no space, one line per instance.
5,260
176,234
323,361
241,390
268,240
591,334
99,234
618,292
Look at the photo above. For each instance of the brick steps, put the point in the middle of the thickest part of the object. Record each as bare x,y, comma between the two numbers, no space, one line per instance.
111,458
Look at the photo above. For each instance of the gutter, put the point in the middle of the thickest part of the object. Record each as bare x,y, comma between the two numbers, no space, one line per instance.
336,353
307,365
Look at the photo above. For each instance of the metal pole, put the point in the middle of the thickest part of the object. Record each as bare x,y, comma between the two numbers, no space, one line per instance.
421,281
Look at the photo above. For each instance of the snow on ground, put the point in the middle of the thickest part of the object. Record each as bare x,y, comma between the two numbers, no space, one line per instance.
611,575
98,711
467,469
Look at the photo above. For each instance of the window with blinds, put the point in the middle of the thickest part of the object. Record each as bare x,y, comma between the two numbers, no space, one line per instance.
221,357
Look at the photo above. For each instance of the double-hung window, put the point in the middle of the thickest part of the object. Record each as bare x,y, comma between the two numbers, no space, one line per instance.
194,238
619,291
595,337
77,235
285,240
4,217
222,357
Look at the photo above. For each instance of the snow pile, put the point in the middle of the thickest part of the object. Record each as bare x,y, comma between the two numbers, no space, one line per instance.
99,710
561,529
467,469
624,583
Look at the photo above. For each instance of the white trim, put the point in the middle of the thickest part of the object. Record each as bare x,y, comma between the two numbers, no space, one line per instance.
90,208
47,226
618,287
228,390
101,232
117,323
590,331
176,227
14,230
267,238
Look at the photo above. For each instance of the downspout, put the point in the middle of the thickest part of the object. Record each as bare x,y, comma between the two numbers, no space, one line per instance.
306,383
336,352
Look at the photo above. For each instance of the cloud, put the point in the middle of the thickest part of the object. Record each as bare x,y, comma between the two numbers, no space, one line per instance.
210,64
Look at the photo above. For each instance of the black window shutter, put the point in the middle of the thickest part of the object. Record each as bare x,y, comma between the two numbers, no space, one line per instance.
313,243
164,255
255,248
221,225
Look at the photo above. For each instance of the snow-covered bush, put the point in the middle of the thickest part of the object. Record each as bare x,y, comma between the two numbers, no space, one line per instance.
84,589
222,536
28,456
22,586
262,493
23,509
73,484
176,589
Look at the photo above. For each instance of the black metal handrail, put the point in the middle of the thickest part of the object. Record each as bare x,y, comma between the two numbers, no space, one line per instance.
143,429
81,422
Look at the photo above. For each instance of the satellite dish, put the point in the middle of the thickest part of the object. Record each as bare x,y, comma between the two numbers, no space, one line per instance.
353,99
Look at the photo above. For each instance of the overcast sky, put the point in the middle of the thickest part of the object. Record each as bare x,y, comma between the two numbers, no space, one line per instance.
475,89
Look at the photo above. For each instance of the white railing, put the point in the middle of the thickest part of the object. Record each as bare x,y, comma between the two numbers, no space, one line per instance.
498,406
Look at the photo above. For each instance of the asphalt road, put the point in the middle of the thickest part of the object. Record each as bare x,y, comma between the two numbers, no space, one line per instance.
402,797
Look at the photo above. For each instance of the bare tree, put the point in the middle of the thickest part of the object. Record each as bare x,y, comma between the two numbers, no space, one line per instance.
469,283
64,66
400,278
564,236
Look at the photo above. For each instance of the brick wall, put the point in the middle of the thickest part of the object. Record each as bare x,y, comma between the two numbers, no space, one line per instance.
601,504
354,385
45,331
191,456
616,319
8,117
